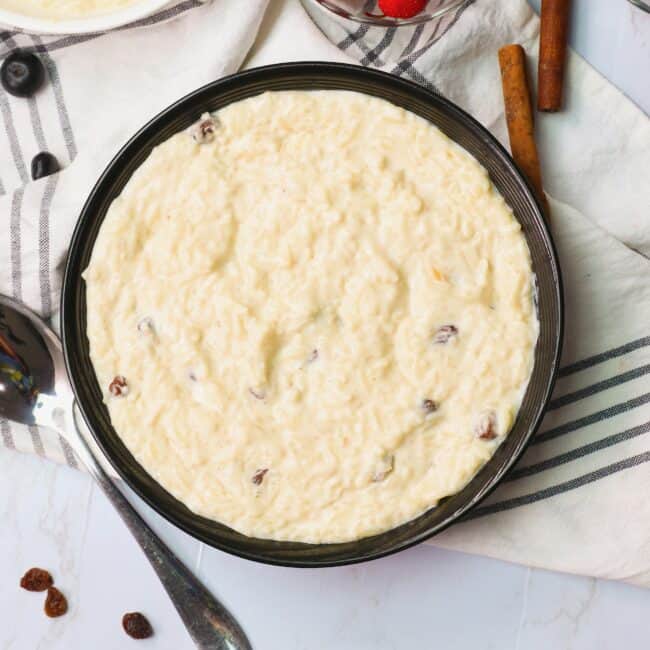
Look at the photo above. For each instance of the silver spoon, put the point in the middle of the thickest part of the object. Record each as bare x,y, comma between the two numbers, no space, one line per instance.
34,389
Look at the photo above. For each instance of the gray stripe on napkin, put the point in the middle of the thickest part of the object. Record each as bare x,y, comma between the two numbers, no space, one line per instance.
353,38
360,32
14,239
63,42
407,65
37,125
68,453
373,54
44,277
365,49
597,445
410,55
37,442
604,356
580,452
405,68
432,40
7,438
44,246
57,88
415,38
12,136
569,398
560,488
586,421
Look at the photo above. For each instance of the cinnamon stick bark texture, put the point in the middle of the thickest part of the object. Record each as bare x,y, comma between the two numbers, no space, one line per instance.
552,54
519,116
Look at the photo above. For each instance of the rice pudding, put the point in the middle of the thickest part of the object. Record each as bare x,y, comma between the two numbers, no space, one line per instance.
65,9
311,316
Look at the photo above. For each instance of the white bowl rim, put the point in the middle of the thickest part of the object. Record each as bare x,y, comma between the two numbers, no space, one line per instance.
89,25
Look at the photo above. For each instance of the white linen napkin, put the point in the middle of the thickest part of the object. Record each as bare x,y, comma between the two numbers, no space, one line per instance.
577,500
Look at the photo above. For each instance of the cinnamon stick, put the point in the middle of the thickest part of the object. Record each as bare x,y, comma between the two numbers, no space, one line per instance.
552,54
519,116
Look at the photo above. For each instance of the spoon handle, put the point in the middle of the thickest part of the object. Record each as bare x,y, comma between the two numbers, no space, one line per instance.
641,5
208,622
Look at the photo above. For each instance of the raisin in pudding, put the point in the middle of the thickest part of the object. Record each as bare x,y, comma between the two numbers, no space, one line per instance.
65,9
311,316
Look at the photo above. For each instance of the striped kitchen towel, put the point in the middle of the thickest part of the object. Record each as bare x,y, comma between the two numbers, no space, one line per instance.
48,107
576,501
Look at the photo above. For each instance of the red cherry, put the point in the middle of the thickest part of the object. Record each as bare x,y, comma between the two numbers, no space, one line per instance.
402,8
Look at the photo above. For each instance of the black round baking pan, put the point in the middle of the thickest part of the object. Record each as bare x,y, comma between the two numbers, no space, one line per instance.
456,124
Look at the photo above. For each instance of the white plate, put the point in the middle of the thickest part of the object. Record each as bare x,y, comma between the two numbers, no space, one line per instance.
95,23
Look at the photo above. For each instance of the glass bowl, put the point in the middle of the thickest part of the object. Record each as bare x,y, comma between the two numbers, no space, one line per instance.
368,12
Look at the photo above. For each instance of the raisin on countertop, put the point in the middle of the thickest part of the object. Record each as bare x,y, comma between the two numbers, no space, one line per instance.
36,580
55,603
137,626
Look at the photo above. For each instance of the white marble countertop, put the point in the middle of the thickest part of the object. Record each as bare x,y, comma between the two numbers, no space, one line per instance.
54,517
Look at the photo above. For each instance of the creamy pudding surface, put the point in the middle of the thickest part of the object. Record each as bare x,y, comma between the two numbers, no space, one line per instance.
65,9
311,316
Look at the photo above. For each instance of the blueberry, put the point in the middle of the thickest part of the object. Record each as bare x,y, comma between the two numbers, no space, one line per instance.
22,73
44,164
